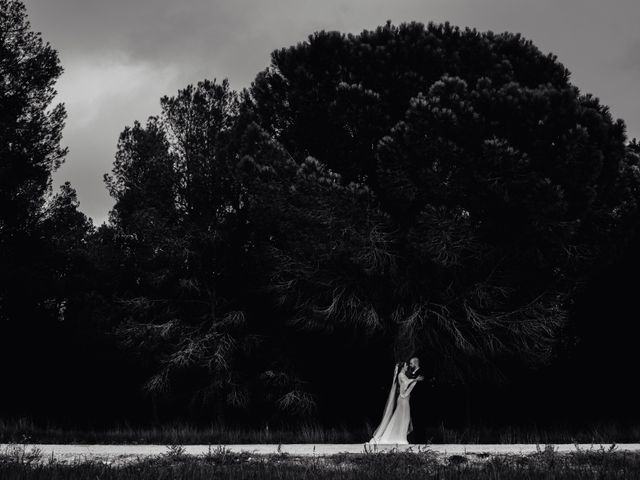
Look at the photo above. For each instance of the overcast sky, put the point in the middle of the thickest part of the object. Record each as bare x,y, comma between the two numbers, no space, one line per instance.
121,56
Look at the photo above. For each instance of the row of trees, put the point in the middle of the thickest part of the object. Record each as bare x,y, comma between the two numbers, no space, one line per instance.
409,190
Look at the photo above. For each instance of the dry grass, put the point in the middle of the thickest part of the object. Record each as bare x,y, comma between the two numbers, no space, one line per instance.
222,464
27,431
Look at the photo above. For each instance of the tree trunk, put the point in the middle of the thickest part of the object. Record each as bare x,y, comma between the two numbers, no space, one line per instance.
467,406
154,409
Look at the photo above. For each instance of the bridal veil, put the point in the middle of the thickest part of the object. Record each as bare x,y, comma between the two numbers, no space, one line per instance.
388,408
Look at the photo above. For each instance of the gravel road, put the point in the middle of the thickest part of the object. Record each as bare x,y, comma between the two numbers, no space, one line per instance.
123,453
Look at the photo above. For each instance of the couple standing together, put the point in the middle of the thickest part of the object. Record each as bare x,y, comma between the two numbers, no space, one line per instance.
396,421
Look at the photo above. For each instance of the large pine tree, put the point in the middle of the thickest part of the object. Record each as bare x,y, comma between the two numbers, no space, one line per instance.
496,179
30,133
43,251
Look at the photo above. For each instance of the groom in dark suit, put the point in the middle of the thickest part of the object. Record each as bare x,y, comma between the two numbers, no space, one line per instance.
418,406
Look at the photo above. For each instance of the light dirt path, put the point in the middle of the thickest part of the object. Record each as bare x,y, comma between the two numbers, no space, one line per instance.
123,453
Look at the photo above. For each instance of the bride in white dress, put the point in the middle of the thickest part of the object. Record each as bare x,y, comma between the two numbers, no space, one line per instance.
396,422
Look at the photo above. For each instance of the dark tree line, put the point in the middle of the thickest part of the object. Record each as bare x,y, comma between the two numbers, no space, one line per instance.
411,190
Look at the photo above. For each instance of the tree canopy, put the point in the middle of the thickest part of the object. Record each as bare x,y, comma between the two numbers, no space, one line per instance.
494,180
411,190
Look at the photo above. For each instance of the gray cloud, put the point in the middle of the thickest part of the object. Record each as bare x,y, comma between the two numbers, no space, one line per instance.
120,56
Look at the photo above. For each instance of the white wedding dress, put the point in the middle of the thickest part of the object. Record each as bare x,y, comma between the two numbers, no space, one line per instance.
396,422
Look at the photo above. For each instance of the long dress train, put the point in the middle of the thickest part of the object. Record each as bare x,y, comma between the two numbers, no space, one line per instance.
388,408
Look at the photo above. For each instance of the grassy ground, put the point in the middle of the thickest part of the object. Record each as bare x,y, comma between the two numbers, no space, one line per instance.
26,431
221,464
